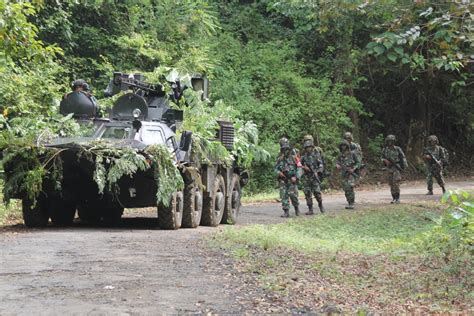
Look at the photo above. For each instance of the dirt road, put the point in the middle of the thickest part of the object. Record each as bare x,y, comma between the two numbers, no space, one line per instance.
135,268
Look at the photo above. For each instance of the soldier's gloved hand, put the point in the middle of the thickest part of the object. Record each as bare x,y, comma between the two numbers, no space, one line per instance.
281,175
427,157
306,168
350,170
386,162
338,166
293,180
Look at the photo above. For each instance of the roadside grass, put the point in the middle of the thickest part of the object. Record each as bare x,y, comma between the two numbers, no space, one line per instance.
10,214
260,197
371,260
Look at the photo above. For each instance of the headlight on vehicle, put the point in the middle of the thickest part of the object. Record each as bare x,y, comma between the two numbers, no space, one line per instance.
136,113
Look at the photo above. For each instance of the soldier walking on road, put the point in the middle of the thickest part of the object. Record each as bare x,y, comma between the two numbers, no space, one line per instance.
436,158
349,164
394,161
287,172
313,167
355,147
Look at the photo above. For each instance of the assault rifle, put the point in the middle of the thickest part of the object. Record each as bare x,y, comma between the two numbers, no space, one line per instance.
437,162
314,173
346,169
392,163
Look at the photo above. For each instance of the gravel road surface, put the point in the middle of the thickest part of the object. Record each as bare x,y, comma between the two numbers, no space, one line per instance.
136,268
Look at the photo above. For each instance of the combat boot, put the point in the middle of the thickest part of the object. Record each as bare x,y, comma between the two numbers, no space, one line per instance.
393,199
321,207
444,190
297,211
286,213
310,210
350,206
397,198
430,192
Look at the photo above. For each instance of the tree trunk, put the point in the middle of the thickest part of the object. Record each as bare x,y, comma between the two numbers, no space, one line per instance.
344,73
418,127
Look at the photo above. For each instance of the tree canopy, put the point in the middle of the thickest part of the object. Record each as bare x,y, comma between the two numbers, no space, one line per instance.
293,67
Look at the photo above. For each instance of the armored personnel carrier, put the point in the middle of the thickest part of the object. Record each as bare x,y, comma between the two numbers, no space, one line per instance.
140,117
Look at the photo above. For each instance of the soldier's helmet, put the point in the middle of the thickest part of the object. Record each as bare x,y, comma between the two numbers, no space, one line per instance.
348,136
390,139
344,145
308,141
284,143
432,140
80,83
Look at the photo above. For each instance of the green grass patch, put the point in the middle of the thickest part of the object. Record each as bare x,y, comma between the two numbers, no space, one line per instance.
379,259
260,197
10,214
392,229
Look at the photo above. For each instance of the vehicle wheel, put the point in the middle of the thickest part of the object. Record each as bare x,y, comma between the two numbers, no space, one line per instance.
112,215
37,215
213,208
232,202
62,212
192,209
89,214
171,216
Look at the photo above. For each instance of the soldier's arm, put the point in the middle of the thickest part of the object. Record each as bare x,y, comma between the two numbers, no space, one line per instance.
320,164
383,158
357,161
279,169
426,154
401,156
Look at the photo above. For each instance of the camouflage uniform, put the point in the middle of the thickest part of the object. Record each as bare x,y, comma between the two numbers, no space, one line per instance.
355,147
287,171
394,160
311,161
433,150
349,163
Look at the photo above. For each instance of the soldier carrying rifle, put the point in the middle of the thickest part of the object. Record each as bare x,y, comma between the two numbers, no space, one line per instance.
436,158
286,169
394,161
349,164
313,167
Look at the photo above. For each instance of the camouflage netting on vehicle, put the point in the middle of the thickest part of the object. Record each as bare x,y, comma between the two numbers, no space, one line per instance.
31,166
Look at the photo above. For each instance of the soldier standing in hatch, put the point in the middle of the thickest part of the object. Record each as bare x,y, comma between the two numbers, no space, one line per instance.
81,86
394,161
349,163
436,158
313,167
286,170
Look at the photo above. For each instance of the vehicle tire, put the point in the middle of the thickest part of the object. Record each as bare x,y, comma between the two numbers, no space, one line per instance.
232,202
112,215
62,212
171,216
37,215
192,208
213,208
89,213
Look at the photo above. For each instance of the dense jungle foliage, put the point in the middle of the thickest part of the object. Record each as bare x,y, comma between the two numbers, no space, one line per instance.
292,67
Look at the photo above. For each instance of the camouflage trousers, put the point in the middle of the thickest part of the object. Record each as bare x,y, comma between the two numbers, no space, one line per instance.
436,173
288,191
394,179
349,181
311,187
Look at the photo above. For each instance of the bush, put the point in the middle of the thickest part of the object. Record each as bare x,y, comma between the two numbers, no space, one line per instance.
451,242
